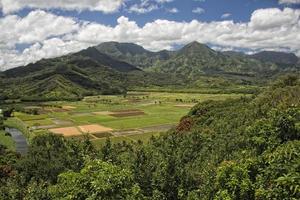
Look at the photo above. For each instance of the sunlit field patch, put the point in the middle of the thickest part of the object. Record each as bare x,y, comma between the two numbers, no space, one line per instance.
94,128
66,131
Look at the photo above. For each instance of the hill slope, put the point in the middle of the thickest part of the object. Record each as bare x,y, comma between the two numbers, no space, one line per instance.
67,77
276,57
105,60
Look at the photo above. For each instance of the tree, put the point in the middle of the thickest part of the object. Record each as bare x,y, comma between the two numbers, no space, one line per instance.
233,182
1,123
106,150
8,112
285,122
49,155
37,191
279,176
97,180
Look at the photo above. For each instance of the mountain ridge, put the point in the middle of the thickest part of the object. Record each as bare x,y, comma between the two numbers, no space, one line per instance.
125,65
277,57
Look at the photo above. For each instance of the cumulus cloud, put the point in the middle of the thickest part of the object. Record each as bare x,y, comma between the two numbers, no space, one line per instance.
35,27
106,6
268,29
289,1
273,18
198,10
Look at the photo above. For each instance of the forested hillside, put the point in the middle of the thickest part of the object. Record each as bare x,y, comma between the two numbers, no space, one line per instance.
69,77
134,54
196,59
234,149
113,68
276,57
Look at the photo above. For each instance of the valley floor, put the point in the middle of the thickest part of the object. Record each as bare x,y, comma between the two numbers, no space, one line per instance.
136,116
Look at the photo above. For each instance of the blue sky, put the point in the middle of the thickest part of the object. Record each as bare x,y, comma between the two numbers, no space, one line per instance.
35,29
239,10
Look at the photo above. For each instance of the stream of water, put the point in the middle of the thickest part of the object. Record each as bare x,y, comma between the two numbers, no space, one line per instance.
20,140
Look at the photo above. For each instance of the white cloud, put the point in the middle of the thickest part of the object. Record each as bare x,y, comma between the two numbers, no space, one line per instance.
106,6
225,15
146,6
172,10
142,9
273,18
289,1
198,10
35,27
268,29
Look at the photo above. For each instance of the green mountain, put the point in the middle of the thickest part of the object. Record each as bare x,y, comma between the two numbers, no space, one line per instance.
67,77
134,54
88,72
193,60
276,57
285,61
234,53
197,59
112,68
105,60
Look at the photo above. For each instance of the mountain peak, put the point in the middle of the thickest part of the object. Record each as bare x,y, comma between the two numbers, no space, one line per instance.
195,44
123,48
196,48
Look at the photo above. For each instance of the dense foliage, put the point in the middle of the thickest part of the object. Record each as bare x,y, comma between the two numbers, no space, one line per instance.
235,150
1,123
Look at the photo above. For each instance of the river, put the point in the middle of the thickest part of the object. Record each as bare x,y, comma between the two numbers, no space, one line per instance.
20,140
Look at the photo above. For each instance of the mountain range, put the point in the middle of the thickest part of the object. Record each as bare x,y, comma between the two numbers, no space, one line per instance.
112,68
280,58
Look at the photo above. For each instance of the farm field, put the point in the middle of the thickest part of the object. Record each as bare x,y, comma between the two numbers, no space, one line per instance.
136,116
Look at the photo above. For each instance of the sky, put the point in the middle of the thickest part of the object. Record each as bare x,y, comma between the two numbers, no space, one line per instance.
34,29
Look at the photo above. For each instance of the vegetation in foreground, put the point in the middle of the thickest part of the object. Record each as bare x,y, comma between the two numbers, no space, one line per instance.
234,149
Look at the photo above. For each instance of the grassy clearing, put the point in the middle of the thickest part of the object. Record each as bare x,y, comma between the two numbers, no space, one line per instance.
40,122
27,117
7,141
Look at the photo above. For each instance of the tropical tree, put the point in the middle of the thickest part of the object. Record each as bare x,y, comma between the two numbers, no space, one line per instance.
98,180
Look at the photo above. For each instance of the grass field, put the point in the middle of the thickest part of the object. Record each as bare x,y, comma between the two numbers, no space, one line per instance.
6,141
134,112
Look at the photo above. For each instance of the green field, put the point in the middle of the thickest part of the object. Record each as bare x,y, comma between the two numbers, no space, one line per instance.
6,141
155,109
